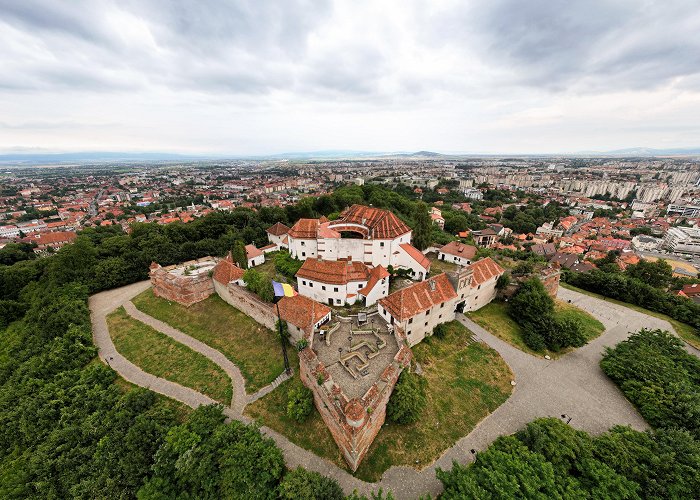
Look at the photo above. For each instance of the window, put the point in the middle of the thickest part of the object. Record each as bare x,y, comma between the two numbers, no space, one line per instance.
442,305
303,243
335,289
478,287
311,284
381,244
426,323
337,301
303,282
440,317
303,254
323,287
410,321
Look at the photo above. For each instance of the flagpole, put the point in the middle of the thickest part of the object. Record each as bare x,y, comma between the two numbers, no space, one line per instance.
287,369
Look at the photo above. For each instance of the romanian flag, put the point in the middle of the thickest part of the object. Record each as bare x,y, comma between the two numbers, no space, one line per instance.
283,290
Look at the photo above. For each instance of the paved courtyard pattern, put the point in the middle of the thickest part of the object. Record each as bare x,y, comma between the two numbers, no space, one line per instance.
573,385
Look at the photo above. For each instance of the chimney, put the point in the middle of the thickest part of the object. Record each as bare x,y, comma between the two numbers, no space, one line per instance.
431,284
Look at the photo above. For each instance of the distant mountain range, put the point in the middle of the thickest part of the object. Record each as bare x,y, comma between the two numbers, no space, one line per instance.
637,152
121,157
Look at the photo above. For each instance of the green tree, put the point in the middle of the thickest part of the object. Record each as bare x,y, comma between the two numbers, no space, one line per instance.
408,400
239,255
531,302
300,403
301,483
657,274
422,227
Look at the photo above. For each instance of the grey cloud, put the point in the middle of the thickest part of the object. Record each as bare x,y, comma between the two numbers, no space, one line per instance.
603,43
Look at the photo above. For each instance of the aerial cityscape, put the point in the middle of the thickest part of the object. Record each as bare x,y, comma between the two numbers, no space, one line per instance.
233,267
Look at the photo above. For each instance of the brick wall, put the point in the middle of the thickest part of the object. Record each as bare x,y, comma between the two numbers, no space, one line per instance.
353,423
185,290
248,304
550,279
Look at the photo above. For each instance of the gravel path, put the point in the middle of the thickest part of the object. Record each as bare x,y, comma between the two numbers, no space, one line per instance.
239,395
572,385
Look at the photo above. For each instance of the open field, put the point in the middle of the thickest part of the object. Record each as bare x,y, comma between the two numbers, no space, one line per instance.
466,381
686,332
494,318
161,356
255,349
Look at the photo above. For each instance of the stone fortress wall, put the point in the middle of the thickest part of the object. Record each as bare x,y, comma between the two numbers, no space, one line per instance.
246,302
353,422
186,283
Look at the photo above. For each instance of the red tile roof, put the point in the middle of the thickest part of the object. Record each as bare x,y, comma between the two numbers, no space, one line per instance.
278,229
52,238
691,290
304,229
302,311
419,297
416,255
375,275
382,224
251,251
226,271
484,270
459,249
326,232
334,272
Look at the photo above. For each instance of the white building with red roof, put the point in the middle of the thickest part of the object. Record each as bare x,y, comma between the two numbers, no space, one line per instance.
457,253
373,236
342,282
419,308
277,235
254,255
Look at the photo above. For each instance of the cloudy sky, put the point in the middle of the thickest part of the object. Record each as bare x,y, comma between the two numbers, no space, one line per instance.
255,77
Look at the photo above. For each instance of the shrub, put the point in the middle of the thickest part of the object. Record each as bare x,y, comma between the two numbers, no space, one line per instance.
301,483
571,332
286,264
440,331
408,400
300,403
503,281
523,268
656,373
302,344
532,339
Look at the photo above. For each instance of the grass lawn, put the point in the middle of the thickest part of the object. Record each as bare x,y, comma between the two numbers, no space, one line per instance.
253,348
495,319
686,332
466,382
268,269
161,356
438,266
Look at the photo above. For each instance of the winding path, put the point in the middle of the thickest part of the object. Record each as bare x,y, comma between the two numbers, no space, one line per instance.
572,385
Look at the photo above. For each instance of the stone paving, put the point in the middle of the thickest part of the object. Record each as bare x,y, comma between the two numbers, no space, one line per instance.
572,385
